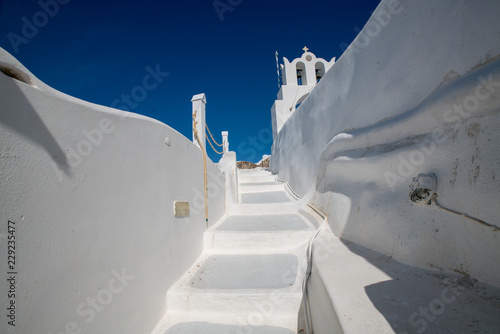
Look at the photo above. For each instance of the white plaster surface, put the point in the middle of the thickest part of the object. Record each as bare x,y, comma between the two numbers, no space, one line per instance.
225,141
99,227
418,94
199,107
227,165
356,290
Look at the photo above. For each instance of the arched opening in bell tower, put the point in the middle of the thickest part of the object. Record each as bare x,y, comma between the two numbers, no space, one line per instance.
320,70
301,74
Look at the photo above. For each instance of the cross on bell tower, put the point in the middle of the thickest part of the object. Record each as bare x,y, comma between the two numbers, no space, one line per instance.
299,77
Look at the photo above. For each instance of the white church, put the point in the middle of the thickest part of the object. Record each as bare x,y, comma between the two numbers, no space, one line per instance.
298,79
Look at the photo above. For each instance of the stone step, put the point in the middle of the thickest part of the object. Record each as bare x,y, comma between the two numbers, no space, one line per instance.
264,208
269,197
256,242
261,186
240,283
229,323
255,176
263,233
273,303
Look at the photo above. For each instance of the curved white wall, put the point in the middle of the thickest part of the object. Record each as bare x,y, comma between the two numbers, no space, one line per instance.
413,87
98,245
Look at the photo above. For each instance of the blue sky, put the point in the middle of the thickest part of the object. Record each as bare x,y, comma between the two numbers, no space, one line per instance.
98,50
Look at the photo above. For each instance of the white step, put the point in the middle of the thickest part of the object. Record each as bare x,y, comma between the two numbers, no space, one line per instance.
263,233
209,323
256,242
241,283
254,176
220,302
265,208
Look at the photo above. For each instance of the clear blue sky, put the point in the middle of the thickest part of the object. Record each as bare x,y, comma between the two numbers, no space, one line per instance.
98,50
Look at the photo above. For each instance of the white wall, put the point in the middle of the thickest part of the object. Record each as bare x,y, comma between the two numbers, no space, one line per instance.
394,87
82,222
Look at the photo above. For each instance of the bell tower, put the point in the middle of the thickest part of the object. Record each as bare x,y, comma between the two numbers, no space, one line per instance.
299,77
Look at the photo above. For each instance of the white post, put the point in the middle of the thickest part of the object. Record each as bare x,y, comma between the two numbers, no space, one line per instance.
199,105
225,143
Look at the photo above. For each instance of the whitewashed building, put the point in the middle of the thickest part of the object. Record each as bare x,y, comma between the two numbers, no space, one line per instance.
299,77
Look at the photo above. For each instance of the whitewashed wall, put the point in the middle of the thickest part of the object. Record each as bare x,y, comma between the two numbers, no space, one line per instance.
416,92
98,245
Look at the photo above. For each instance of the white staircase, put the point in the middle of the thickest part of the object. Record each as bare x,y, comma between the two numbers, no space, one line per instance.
249,277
